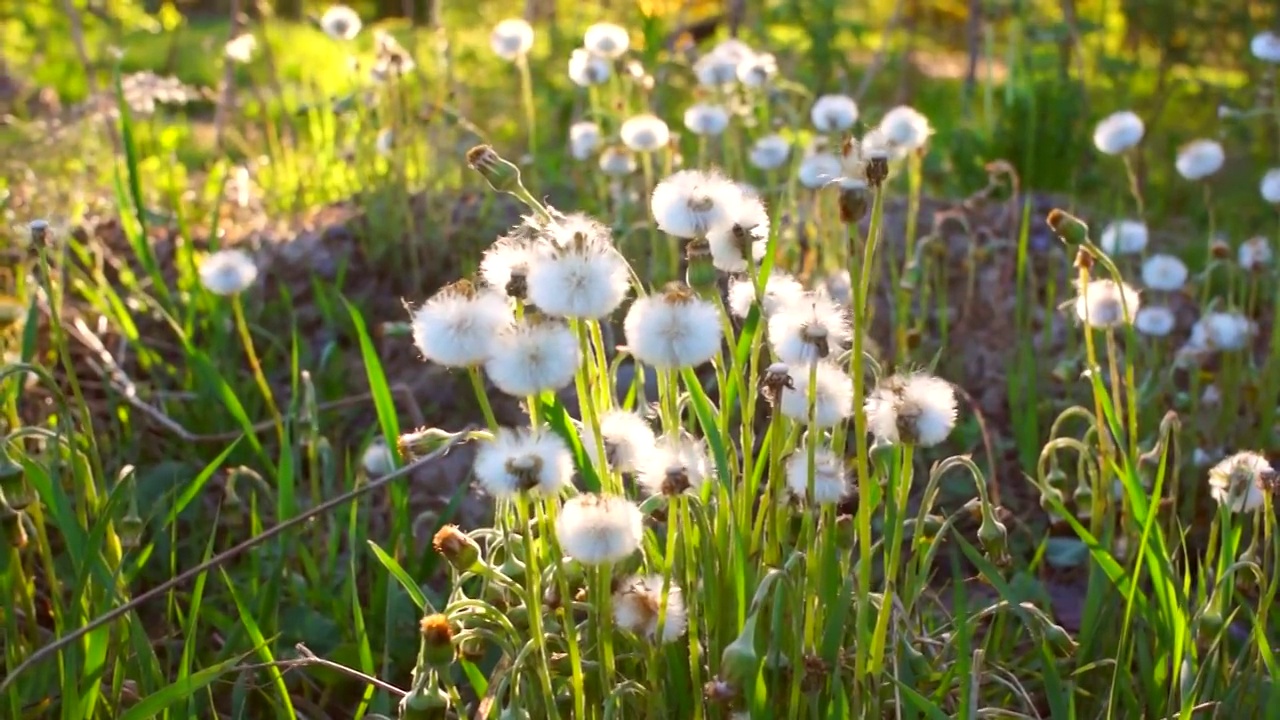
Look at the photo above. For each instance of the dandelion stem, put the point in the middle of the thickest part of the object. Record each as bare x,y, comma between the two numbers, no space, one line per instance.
530,108
242,327
477,384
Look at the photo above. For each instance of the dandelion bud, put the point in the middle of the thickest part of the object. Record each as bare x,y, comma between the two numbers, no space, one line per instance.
1069,228
1058,638
501,174
877,170
1219,249
457,547
739,662
1209,624
423,442
932,525
437,641
995,539
701,272
1084,501
776,378
11,527
854,200
130,530
424,703
1050,499
916,660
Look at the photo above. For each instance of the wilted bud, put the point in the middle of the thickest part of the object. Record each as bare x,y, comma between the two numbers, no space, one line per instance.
1051,499
854,200
457,547
701,273
739,661
719,692
437,641
1069,228
1209,624
1084,501
877,170
501,174
423,442
995,540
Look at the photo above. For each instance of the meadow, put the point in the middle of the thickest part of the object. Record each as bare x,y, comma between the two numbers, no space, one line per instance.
772,359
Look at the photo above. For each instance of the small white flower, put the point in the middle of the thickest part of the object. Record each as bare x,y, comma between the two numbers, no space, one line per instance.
607,40
1241,482
627,438
810,328
598,529
511,39
770,152
1106,304
228,272
706,119
1199,159
1270,186
833,395
673,329
1154,321
780,291
834,113
819,169
376,459
587,69
830,481
458,326
617,162
916,408
241,48
505,265
1266,46
1164,272
340,22
532,357
905,128
1221,331
1254,253
757,70
745,226
637,608
578,272
690,202
645,133
516,461
1118,132
720,66
676,464
1124,237
584,138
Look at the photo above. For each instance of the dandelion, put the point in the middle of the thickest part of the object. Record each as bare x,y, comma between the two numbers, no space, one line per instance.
584,138
833,395
597,529
675,465
1164,272
578,273
809,329
511,39
830,481
1118,132
689,202
905,128
918,409
637,608
627,439
1241,482
1106,304
745,227
607,40
720,66
706,119
1124,237
645,133
505,265
1270,186
532,357
834,113
673,329
1266,46
617,162
819,169
340,22
526,460
770,152
866,160
459,325
757,70
780,291
241,48
1221,331
228,272
1254,253
587,69
1154,321
1199,159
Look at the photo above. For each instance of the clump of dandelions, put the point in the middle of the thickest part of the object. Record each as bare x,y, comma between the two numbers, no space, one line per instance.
832,391
1124,237
1240,483
607,40
340,22
645,133
637,608
1199,159
916,408
676,464
1221,331
627,439
1165,273
720,66
1106,304
834,113
533,356
526,460
511,39
578,273
617,162
459,325
228,272
770,152
830,481
598,529
690,202
673,329
1118,132
780,291
758,70
810,328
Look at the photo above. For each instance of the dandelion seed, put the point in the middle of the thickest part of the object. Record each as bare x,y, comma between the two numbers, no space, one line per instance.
757,70
637,608
905,128
1266,46
834,113
673,329
526,460
1241,482
705,119
584,138
1164,272
819,169
599,529
532,357
645,133
340,22
833,395
459,325
1124,237
808,329
607,40
780,291
675,465
1221,331
744,227
1106,304
241,48
511,39
627,438
1199,159
578,272
228,272
587,69
1154,321
617,162
690,202
1118,132
1254,254
918,408
830,481
1270,186
770,152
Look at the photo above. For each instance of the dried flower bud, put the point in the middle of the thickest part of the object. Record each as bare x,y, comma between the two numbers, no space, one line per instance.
422,442
457,547
437,641
501,174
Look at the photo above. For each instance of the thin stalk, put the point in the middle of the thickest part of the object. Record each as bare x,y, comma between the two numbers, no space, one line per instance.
477,384
533,603
242,327
530,108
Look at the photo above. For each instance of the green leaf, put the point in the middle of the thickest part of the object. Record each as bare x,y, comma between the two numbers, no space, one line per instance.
710,428
557,417
402,577
165,698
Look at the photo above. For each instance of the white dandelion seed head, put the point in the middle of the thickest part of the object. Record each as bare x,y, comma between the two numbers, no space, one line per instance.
340,22
905,128
1270,186
833,395
690,202
745,226
770,152
1254,253
917,408
830,481
1118,132
637,608
645,133
1199,159
808,329
578,273
706,119
1124,237
597,529
459,325
834,113
1106,304
1266,46
228,272
1155,321
524,460
675,465
617,162
587,69
607,40
532,357
1222,331
1165,273
1241,482
819,169
504,266
584,138
627,438
757,70
241,48
780,291
511,39
673,329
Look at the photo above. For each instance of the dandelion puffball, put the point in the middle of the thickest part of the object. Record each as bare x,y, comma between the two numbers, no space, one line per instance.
578,273
905,128
690,202
340,22
833,394
1254,253
675,465
638,605
645,133
780,291
617,162
1165,273
584,138
834,113
511,39
1154,321
516,461
607,40
505,265
918,409
228,272
241,48
830,481
1222,331
587,69
597,529
810,328
720,66
532,357
757,70
1266,46
819,169
770,152
705,119
744,228
627,439
1241,482
1270,186
1124,237
1106,304
459,325
1118,132
673,329
1199,159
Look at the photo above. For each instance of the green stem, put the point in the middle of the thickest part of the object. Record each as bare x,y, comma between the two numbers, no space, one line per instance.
242,327
477,384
